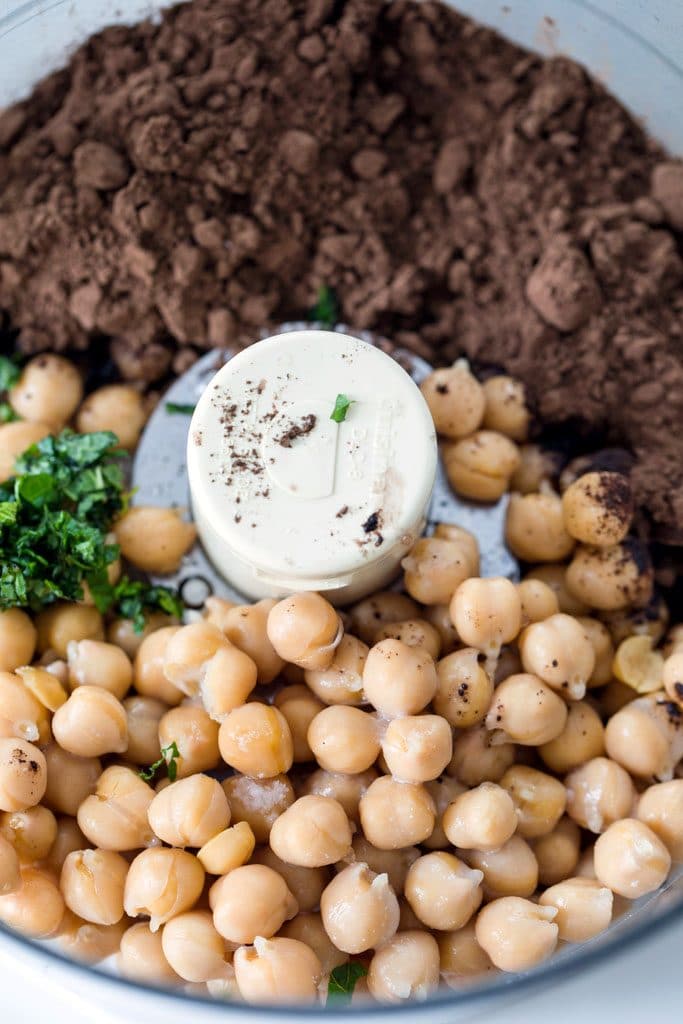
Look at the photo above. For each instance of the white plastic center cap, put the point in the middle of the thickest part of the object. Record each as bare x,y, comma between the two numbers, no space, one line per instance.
284,497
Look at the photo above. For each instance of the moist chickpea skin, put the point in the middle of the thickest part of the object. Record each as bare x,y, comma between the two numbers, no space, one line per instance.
477,759
258,802
584,908
359,909
344,739
195,735
537,467
309,928
506,408
45,686
162,883
645,737
535,529
31,832
246,626
406,967
417,748
21,713
555,576
305,884
141,956
91,723
193,947
114,817
154,539
143,715
256,740
660,807
187,653
15,438
393,863
342,681
439,616
299,708
278,970
122,631
443,891
539,601
305,630
148,667
461,957
557,852
70,779
94,663
189,812
395,814
398,679
87,942
369,615
599,793
558,651
62,623
525,710
456,400
313,832
611,578
539,799
465,540
511,870
582,739
49,391
10,867
434,569
443,792
516,933
92,883
18,637
487,613
464,690
116,407
480,466
483,818
672,676
36,908
228,850
347,789
249,901
630,859
415,633
23,775
603,650
598,508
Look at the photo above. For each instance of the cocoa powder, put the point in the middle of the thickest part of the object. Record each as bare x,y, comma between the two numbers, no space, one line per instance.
181,185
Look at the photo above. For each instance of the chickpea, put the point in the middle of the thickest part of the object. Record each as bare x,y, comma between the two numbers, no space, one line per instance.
49,391
226,681
435,568
300,709
162,883
23,775
461,957
650,619
305,884
483,818
45,686
255,739
406,967
141,957
344,739
154,539
582,739
443,792
21,714
443,891
122,631
464,690
480,466
31,832
537,467
62,623
615,696
308,928
599,793
584,908
557,852
511,870
259,802
637,665
395,814
630,859
535,530
558,651
439,616
189,812
506,409
603,650
487,613
305,629
368,616
359,909
555,576
115,816
311,833
91,723
398,679
613,577
455,398
526,711
508,664
70,779
348,790
660,807
245,626
516,933
415,633
193,947
18,637
116,407
90,943
10,868
277,971
143,715
94,663
187,653
476,759
36,908
92,883
645,737
228,850
417,748
598,508
539,601
342,681
249,901
15,439
585,867
394,863
672,676
539,799
195,735
148,667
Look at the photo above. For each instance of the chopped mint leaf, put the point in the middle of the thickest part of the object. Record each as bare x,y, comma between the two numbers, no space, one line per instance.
341,406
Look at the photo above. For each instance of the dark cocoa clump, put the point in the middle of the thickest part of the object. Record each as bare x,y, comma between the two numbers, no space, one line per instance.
184,184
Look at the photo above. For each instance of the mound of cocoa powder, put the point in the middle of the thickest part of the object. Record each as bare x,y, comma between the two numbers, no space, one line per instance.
181,185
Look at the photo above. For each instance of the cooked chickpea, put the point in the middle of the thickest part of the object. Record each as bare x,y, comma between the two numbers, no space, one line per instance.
439,616
122,632
344,739
70,779
557,852
154,539
417,748
476,759
188,652
598,508
348,790
359,909
599,793
305,884
31,832
15,438
370,614
649,619
584,908
226,680
305,629
443,792
23,775
613,577
195,735
415,633
299,708
342,681
249,901
464,690
615,696
69,838
116,407
661,808
630,859
92,883
162,883
91,723
645,737
455,398
555,576
49,391
395,814
189,812
90,943
487,613
21,714
672,676
95,663
246,626
537,467
406,967
480,466
63,622
393,863
435,568
483,818
506,409
36,908
193,947
10,870
259,802
603,650
228,850
535,530
582,738
524,710
636,664
44,685
558,651
508,664
277,971
511,870
141,957
539,799
516,933
461,957
398,679
255,739
143,715
115,816
539,601
308,928
148,667
18,638
313,832
443,891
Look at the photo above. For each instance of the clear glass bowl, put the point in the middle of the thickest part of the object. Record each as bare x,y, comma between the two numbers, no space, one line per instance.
635,49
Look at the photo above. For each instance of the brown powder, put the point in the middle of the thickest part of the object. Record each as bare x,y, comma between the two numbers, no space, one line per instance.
181,185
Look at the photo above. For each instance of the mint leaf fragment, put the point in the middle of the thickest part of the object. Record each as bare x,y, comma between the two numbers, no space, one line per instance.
343,981
342,405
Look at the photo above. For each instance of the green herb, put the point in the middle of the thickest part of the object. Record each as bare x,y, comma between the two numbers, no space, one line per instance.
343,981
169,756
177,408
341,406
9,373
7,413
326,309
132,598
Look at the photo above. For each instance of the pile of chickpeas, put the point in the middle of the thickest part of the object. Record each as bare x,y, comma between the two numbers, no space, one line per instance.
440,783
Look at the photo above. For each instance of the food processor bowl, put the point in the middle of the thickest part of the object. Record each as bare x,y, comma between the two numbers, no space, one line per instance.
634,49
